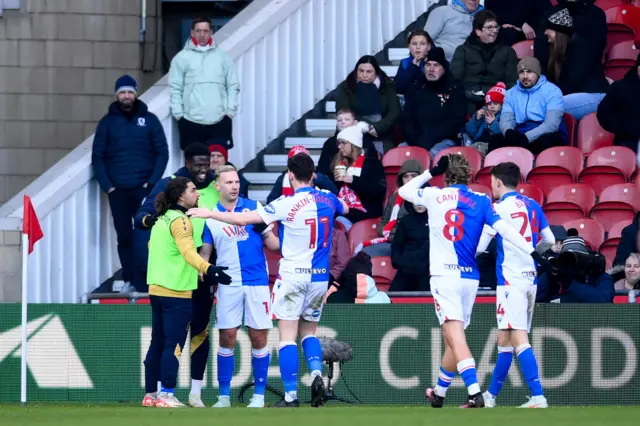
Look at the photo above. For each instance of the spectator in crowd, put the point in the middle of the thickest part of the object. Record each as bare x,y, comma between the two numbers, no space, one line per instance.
359,176
571,284
450,25
410,74
283,186
560,234
410,251
340,253
629,242
631,271
356,284
480,62
205,91
619,110
574,62
220,157
345,118
129,156
485,123
434,115
518,20
532,112
369,93
393,212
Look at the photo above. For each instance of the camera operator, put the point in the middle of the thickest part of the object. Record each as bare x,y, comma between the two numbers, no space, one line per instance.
576,275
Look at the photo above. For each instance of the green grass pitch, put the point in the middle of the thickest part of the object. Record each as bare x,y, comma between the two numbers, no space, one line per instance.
123,415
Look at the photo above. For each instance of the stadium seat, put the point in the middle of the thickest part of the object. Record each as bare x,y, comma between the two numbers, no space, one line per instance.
591,135
608,166
621,58
609,247
623,21
522,157
572,125
569,202
607,4
617,203
383,272
365,230
481,188
395,158
523,48
339,225
590,229
473,156
532,191
556,166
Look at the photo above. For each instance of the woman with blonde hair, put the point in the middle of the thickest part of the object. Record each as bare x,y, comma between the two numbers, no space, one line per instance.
631,268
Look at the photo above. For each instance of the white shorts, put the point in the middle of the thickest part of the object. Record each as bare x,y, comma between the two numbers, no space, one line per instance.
454,298
295,299
515,306
252,301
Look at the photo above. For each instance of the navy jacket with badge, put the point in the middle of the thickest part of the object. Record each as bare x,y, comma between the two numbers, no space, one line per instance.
129,150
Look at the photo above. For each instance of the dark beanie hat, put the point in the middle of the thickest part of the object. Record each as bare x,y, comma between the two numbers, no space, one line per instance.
561,22
436,54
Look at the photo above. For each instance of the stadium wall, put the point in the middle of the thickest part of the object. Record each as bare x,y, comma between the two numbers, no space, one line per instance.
289,54
588,354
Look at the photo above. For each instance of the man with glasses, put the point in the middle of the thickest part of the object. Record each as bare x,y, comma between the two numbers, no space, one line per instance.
205,91
480,62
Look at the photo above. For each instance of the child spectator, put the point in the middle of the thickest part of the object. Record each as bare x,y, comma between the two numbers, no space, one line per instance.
410,73
486,121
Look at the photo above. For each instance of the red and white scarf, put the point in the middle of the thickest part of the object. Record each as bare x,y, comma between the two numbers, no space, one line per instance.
287,190
347,194
386,231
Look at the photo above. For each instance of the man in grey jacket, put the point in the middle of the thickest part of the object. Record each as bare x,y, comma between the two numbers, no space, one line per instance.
450,25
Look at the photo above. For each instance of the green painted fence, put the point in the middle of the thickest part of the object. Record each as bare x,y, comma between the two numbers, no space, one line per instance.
588,354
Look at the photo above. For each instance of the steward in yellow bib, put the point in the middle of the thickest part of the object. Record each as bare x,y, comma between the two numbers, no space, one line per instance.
174,266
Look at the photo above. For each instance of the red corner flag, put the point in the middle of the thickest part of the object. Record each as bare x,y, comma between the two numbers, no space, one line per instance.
31,224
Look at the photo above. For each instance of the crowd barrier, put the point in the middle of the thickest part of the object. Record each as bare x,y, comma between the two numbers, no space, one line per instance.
588,354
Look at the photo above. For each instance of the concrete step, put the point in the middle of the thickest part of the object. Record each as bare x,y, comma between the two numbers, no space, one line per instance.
278,163
314,144
259,195
320,127
268,178
397,54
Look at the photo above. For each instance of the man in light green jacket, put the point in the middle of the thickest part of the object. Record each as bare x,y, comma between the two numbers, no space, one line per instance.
204,89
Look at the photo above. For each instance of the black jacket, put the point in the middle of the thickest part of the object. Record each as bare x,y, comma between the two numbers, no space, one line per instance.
628,242
619,111
582,70
371,186
479,66
410,245
330,149
435,112
516,13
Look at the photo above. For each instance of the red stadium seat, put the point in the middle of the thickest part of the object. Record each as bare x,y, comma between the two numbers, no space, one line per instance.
608,166
556,166
607,4
622,57
572,126
383,272
617,203
591,135
481,188
339,225
609,247
523,48
365,230
395,158
473,156
623,23
569,202
532,191
590,229
522,157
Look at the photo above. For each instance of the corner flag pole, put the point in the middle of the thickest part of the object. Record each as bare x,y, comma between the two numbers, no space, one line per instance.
31,233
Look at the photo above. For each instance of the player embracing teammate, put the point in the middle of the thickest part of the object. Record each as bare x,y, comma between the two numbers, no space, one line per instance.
457,217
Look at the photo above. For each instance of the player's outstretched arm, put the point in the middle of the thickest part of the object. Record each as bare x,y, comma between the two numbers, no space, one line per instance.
547,240
485,239
271,241
232,218
510,234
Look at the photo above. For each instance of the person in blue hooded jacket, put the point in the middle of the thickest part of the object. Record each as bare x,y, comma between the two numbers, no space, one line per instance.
129,156
532,112
410,74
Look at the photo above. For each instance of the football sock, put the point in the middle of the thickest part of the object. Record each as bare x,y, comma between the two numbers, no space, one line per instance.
225,370
288,360
500,371
260,359
467,369
444,381
529,367
196,387
313,353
